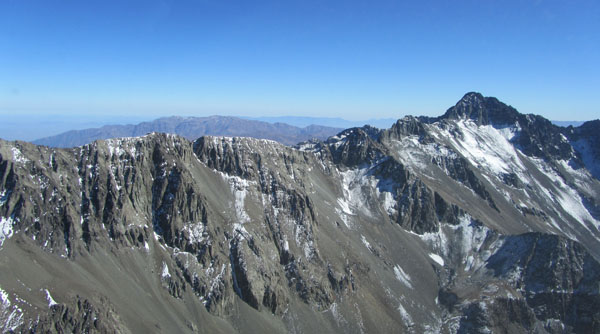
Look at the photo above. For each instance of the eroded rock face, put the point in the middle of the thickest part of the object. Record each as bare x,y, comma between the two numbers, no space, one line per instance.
454,224
557,277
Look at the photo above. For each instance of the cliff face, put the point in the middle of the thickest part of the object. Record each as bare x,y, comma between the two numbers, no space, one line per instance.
464,223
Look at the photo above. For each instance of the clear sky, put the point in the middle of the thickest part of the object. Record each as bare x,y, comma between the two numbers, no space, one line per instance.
352,59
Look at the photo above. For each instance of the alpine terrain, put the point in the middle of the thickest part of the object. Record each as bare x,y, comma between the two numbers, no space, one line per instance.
482,220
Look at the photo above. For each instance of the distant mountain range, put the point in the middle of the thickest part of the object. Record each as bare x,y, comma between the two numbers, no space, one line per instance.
335,122
568,123
195,127
32,126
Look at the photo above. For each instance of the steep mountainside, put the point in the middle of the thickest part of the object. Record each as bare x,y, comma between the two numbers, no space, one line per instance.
586,140
192,128
482,220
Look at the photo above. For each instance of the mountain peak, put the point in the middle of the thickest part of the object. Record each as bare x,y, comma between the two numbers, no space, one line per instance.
484,110
471,97
472,101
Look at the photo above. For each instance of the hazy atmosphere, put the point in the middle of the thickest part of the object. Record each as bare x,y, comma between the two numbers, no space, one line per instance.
84,63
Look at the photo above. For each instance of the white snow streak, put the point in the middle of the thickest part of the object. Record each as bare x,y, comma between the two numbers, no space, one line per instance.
51,301
366,243
402,276
438,259
405,316
345,206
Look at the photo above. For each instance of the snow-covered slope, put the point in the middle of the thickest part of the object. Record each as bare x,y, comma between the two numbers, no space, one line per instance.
552,192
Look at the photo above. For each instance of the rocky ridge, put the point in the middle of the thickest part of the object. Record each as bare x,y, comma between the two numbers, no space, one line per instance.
480,220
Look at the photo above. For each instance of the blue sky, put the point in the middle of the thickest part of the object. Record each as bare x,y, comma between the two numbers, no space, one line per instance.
351,59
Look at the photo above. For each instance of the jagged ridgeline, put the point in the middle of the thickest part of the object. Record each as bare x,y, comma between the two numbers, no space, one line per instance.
481,220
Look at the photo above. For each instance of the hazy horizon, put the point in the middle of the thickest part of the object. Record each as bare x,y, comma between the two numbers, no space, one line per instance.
32,127
349,59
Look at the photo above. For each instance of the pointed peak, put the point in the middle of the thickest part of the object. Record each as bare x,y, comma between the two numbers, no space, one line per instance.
471,101
483,110
472,97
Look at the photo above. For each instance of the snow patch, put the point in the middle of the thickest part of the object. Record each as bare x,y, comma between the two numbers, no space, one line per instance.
11,316
51,301
389,203
3,197
417,155
286,245
408,321
195,232
343,217
306,146
472,235
6,229
345,206
114,147
563,194
239,188
18,156
438,259
165,271
402,276
353,181
216,283
366,243
469,237
436,240
488,148
357,187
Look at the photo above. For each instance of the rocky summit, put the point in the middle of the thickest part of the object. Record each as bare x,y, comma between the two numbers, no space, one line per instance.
482,220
